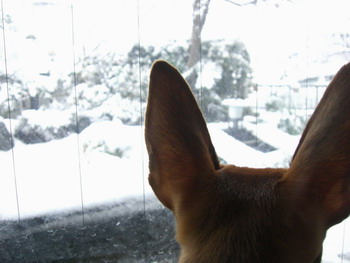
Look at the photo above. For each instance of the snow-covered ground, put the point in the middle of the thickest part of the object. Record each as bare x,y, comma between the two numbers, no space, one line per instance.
107,163
48,175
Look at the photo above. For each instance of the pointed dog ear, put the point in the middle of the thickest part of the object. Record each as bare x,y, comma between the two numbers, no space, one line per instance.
178,143
320,169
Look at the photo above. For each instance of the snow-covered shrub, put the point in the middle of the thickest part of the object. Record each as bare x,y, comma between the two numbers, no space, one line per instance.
43,126
233,62
5,137
108,137
211,106
292,124
123,80
12,97
275,104
115,86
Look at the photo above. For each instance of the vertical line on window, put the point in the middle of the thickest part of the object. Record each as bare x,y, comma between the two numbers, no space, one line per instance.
256,117
141,119
306,99
200,60
343,244
307,75
140,97
9,112
77,115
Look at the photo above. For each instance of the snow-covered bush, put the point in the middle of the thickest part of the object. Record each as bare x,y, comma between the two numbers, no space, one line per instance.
101,80
108,137
43,126
233,63
5,137
12,95
105,87
275,104
292,124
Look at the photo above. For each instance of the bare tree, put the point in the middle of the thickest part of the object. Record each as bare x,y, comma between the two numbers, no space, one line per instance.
200,11
240,3
342,40
254,2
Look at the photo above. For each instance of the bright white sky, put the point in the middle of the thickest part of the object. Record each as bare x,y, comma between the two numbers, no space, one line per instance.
271,34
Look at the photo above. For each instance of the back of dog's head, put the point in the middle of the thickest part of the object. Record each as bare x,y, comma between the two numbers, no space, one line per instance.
226,213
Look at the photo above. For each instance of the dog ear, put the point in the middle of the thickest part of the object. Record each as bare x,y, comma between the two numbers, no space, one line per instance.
320,169
178,143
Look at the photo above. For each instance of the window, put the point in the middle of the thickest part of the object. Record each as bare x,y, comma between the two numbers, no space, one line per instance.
74,78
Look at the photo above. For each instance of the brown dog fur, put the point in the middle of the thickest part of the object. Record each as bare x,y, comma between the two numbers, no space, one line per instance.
226,213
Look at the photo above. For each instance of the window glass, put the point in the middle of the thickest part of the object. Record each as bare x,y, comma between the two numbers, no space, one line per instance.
74,77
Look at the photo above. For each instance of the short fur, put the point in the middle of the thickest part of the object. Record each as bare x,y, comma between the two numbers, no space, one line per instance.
226,213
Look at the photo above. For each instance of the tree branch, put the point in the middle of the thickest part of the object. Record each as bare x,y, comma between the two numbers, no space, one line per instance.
200,11
253,2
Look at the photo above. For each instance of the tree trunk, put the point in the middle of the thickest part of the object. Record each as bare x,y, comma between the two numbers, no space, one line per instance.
200,11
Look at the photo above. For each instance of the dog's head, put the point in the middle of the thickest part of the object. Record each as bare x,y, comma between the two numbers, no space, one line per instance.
226,213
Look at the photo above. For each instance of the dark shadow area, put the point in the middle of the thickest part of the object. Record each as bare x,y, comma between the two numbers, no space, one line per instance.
108,234
249,139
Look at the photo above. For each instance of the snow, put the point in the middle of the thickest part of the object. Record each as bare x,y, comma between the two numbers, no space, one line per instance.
112,161
108,162
234,151
109,156
47,118
271,135
48,174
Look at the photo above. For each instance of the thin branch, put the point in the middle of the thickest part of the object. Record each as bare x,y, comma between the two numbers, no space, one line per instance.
253,2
